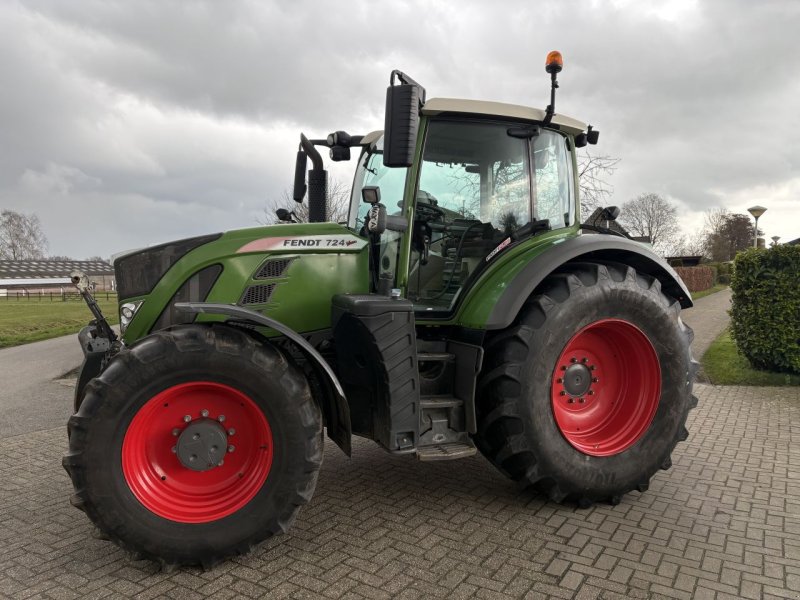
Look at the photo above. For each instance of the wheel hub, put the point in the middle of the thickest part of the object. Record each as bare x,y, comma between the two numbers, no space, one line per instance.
577,380
202,445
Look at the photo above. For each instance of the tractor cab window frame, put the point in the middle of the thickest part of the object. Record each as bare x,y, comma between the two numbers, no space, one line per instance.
385,254
490,196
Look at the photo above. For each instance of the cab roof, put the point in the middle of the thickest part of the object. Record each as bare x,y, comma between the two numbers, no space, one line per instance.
437,106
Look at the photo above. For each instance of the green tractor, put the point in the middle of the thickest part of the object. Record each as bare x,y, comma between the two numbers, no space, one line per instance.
463,307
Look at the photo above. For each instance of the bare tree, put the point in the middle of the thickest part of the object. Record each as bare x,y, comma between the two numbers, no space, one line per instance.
21,236
689,245
593,172
652,216
337,204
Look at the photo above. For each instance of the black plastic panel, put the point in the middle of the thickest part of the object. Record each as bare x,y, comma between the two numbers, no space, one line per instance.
194,289
138,273
376,353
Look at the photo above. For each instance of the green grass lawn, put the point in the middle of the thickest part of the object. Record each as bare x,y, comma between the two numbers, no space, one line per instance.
723,365
709,291
23,321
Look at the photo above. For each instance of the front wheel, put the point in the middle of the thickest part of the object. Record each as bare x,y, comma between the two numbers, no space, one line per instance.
587,393
195,444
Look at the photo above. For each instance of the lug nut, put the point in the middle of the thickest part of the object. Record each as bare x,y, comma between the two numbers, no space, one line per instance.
584,360
176,432
174,449
581,400
186,418
570,401
221,418
592,368
231,448
220,463
562,393
573,360
591,392
204,413
231,431
559,380
595,380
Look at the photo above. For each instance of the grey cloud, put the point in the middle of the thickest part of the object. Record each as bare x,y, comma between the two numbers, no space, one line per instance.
182,117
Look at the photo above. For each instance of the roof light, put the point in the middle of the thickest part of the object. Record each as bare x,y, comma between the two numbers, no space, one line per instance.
554,62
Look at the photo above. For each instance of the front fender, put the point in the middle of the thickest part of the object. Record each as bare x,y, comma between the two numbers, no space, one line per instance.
583,247
334,405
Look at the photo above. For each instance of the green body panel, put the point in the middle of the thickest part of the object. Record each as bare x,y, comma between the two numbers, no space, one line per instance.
473,311
301,299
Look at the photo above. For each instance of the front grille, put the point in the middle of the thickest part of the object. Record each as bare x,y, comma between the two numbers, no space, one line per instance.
274,267
139,272
258,294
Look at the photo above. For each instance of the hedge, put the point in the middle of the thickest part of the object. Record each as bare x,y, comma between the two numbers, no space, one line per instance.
765,314
723,271
696,279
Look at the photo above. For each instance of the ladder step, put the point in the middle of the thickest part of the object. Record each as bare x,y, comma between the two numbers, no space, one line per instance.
439,402
451,451
435,357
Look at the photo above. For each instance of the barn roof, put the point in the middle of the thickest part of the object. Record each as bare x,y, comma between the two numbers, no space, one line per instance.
52,269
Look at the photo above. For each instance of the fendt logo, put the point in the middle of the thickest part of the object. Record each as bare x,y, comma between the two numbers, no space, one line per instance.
347,243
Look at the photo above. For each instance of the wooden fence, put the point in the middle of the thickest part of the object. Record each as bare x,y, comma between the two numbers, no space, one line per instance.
40,296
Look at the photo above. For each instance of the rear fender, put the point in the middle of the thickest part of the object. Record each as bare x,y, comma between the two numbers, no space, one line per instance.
596,248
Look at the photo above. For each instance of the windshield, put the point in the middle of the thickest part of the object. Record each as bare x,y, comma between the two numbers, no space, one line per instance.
371,171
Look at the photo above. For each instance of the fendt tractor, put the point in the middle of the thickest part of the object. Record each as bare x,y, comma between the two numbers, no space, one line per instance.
463,307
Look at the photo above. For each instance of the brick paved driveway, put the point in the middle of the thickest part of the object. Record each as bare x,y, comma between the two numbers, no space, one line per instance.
724,522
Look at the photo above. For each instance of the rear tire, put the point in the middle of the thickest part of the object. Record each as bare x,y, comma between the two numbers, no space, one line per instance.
138,489
611,427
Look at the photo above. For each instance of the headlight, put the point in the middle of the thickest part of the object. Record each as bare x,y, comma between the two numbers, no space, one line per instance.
126,313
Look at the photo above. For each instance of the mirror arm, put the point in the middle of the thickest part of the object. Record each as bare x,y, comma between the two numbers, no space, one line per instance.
311,151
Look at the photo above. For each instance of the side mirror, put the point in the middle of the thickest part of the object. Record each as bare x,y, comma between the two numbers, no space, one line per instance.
609,213
299,191
401,124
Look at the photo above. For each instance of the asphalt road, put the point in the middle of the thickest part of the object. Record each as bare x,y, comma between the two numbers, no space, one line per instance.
31,396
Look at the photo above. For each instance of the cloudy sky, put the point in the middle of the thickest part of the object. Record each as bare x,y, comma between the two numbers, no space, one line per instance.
131,123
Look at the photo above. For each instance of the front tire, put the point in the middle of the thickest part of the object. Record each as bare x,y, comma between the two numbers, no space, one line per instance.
197,443
586,395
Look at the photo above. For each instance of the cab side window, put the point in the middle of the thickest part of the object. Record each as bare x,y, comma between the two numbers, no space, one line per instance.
552,166
474,191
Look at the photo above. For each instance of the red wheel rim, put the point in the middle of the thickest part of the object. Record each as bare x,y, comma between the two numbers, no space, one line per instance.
606,387
164,485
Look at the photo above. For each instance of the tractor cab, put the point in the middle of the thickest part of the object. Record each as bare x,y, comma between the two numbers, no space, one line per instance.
486,179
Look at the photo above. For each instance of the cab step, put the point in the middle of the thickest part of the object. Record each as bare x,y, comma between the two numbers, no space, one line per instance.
445,357
448,451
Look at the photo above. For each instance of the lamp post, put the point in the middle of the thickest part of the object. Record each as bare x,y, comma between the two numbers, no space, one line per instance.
756,211
775,239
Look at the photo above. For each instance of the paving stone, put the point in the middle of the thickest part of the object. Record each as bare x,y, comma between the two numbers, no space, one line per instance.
723,522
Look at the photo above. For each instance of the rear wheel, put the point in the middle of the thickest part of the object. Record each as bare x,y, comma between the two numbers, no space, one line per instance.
587,393
195,444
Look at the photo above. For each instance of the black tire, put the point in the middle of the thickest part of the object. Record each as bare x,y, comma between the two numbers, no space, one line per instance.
517,428
224,356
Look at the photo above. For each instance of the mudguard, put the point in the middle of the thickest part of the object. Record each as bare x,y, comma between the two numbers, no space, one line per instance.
335,405
591,248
